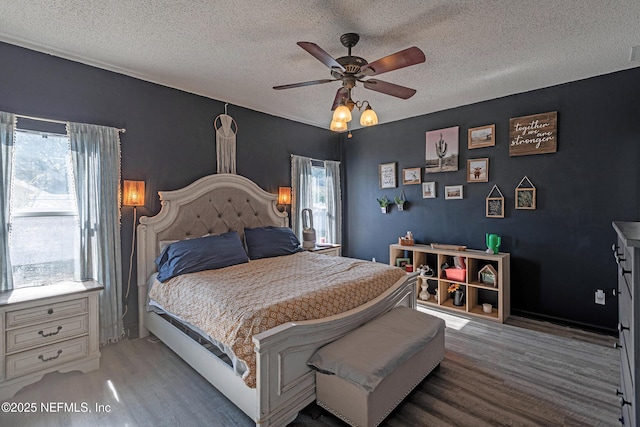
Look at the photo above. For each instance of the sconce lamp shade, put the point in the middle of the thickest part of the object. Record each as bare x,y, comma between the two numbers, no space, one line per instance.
342,114
338,126
284,195
369,117
133,193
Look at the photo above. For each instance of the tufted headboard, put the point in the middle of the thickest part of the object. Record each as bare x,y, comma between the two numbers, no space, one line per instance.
213,204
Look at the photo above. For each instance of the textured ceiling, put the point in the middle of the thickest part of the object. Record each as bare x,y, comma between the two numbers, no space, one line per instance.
236,51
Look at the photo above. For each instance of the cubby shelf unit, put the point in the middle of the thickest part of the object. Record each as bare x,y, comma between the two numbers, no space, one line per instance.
476,293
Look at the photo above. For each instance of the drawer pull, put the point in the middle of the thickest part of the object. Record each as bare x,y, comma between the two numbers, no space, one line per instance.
624,402
618,392
622,271
617,345
50,311
41,357
615,292
622,328
50,333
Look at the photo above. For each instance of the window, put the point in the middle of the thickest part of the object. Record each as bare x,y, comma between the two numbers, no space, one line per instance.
44,237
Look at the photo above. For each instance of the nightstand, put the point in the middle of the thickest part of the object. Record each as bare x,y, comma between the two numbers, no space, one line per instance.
46,329
326,249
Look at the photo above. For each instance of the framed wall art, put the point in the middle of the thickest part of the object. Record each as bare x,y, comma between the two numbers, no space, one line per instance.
429,190
453,192
441,150
483,136
387,175
535,134
495,204
525,194
411,176
478,170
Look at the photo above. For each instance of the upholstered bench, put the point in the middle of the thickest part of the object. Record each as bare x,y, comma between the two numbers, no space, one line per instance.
364,375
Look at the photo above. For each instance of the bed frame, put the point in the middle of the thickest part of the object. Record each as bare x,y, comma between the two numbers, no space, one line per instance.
285,384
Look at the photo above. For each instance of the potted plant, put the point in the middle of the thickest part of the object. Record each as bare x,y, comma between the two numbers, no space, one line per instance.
384,203
458,295
400,201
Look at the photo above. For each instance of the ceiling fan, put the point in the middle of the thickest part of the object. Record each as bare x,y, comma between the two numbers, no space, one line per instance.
351,69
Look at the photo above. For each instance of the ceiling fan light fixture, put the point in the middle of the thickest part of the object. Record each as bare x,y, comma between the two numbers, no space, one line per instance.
338,126
369,117
342,114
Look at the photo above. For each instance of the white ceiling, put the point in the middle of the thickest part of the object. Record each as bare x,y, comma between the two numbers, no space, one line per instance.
236,51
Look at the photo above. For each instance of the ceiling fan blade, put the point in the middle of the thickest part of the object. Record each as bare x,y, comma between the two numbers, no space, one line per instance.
404,58
309,83
389,88
342,93
321,55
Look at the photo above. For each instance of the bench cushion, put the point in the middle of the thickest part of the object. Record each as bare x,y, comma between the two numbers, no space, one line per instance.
369,353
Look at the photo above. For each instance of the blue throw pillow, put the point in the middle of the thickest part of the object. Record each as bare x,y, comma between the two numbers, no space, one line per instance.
203,253
267,242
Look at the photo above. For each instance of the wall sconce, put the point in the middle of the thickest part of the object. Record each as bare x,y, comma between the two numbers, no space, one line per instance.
284,195
133,193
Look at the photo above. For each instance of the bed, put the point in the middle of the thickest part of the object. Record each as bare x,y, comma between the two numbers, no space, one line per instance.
282,381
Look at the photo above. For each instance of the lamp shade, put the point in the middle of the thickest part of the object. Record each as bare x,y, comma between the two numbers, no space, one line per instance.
369,117
284,195
342,114
133,193
338,126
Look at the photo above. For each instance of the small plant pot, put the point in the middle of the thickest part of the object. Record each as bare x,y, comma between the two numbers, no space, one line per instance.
383,209
401,207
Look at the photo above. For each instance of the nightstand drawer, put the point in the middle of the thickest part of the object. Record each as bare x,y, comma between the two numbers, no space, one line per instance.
32,336
44,357
45,313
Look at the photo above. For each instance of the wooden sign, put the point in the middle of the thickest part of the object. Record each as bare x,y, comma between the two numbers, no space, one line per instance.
536,134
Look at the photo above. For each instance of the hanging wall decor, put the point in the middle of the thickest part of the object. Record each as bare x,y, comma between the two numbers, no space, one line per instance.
441,150
478,170
525,194
495,205
483,136
536,134
387,175
226,130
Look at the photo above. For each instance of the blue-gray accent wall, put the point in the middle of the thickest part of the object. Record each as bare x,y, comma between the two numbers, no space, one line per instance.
560,251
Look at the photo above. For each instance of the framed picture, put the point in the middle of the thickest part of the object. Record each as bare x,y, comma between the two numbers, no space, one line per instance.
478,170
387,175
494,204
429,190
441,150
411,176
483,136
402,262
453,192
525,198
495,207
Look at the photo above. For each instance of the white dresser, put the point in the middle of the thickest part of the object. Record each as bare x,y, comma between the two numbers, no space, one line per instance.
627,255
46,329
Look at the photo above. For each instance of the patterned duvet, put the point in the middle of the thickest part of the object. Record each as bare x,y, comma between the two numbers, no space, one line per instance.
232,304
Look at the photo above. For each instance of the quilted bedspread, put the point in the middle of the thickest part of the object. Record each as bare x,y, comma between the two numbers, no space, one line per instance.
234,303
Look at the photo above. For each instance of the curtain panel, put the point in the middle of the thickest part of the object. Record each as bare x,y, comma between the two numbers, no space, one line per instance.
7,128
334,202
95,152
301,184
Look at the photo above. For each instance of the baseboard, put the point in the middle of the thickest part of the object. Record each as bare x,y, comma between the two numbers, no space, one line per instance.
564,322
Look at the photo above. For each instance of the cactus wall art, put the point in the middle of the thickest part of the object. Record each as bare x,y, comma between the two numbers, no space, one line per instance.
442,148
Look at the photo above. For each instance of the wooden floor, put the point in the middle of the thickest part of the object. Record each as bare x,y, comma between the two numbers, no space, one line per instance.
523,373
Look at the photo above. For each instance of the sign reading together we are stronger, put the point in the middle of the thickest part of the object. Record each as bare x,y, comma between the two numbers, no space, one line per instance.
536,134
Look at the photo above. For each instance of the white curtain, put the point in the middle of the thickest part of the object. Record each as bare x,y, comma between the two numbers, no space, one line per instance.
7,127
301,184
334,202
95,154
301,175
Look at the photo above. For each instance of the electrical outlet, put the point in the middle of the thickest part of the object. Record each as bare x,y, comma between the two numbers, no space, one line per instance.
600,298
